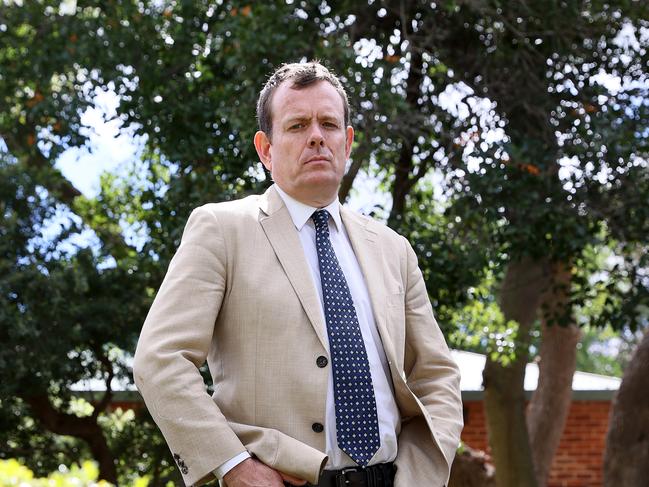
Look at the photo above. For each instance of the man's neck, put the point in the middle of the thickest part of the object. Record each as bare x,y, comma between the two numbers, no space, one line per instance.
314,202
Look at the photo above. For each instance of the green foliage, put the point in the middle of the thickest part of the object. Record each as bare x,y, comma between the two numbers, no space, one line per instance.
606,351
77,274
480,326
453,257
556,163
75,282
555,110
87,311
144,450
610,283
24,439
84,475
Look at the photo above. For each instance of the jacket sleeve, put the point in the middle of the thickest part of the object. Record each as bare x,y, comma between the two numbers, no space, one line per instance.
433,378
174,343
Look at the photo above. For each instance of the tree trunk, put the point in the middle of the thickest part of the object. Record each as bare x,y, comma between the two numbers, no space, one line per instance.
403,177
550,404
626,458
504,388
349,177
85,428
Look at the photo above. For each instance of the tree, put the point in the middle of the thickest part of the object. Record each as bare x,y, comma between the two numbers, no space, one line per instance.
625,459
537,64
187,74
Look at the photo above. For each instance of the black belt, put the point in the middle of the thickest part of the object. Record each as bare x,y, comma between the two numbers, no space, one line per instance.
379,475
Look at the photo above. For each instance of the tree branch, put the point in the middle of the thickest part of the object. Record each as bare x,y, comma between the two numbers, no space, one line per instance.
107,397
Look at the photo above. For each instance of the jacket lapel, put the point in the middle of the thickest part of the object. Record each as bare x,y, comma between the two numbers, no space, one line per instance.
368,252
282,235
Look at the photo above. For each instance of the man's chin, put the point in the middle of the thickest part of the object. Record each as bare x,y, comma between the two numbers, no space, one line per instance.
320,190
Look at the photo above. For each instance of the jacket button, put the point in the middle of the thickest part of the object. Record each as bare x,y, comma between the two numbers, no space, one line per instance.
317,427
321,361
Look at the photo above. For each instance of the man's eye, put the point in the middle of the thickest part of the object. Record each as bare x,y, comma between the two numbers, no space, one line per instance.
330,125
296,126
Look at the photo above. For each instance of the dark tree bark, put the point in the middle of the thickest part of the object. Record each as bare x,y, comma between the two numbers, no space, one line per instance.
404,180
520,297
626,458
550,404
348,179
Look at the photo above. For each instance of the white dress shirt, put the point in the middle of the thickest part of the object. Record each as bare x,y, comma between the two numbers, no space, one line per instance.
388,413
387,410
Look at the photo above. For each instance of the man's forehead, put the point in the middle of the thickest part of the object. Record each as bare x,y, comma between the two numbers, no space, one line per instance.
289,99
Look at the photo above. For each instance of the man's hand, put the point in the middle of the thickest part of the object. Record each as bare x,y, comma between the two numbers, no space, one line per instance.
253,473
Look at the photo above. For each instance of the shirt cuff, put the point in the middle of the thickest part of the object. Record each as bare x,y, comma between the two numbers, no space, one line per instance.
230,464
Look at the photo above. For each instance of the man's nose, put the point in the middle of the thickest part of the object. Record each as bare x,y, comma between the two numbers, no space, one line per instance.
315,136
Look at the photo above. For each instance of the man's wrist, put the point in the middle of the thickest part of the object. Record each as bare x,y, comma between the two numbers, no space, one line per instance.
230,464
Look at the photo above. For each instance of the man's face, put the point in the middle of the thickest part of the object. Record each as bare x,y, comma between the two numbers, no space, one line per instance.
310,143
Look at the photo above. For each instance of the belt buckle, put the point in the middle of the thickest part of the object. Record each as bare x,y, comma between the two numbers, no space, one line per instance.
341,478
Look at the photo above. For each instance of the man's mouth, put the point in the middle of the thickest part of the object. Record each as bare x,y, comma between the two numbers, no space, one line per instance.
318,158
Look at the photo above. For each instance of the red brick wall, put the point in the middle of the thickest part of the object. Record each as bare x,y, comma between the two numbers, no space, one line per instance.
578,462
474,433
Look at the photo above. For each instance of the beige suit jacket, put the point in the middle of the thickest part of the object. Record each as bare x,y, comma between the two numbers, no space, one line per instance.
239,294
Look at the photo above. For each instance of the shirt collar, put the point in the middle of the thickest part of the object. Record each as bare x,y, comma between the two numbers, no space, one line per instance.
301,213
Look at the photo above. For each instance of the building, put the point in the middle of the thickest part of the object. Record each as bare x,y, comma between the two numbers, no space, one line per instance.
579,458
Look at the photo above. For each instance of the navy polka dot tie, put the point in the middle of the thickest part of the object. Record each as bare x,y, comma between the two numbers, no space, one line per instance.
357,426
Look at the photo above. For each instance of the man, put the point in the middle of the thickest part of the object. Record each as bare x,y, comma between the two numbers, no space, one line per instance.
327,362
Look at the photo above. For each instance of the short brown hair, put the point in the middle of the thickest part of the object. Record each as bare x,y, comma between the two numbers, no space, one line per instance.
302,75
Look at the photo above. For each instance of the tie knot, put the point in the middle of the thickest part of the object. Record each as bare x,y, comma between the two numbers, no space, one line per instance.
321,219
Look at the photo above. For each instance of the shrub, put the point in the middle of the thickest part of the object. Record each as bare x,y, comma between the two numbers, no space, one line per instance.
13,473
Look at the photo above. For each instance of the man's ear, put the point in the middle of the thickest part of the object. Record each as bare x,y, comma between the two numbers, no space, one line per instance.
262,145
349,139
